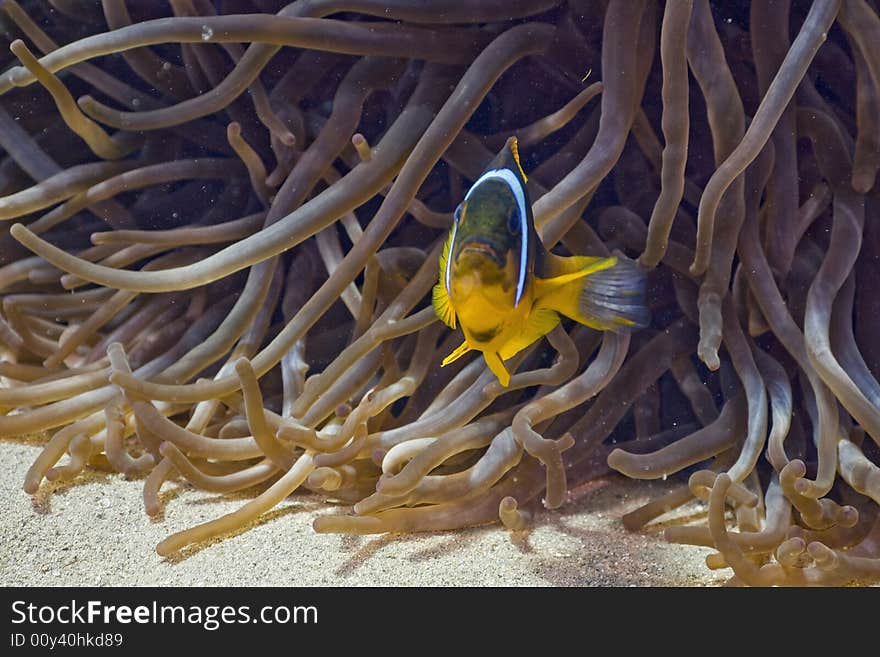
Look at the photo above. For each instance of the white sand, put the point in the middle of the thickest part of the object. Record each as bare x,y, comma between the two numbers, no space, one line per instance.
93,531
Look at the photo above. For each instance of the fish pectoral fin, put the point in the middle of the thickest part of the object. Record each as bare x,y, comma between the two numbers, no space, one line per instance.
539,323
460,351
440,295
495,364
442,305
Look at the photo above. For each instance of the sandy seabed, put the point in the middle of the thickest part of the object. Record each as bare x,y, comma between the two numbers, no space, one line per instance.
93,532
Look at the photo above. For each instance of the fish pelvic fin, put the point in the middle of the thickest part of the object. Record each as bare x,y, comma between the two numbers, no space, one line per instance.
539,323
495,364
608,295
460,351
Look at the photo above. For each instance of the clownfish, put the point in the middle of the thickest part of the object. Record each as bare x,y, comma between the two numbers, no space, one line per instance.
507,291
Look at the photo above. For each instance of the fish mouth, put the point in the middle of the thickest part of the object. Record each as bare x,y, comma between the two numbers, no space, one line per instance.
481,247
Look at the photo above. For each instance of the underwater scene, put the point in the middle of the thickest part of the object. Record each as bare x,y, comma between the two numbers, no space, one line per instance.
401,267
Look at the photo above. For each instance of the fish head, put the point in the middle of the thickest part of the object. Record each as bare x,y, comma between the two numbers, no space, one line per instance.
489,249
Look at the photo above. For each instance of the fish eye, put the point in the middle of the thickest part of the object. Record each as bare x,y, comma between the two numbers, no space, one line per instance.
513,223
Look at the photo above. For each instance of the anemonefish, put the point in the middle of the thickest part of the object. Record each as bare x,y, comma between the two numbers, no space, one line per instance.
507,291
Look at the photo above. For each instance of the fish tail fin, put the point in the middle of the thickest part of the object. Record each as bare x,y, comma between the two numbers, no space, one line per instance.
614,299
608,294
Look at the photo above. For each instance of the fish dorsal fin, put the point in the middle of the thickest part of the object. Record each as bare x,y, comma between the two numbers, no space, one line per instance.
557,265
514,148
440,298
539,323
560,270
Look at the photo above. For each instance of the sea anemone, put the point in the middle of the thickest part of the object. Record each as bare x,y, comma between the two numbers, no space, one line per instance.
221,224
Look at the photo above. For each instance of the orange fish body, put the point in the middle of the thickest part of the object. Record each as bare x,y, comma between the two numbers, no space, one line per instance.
488,283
